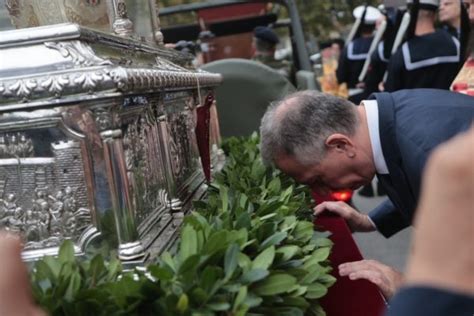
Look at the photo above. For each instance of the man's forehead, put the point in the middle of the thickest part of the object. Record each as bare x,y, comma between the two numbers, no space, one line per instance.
292,167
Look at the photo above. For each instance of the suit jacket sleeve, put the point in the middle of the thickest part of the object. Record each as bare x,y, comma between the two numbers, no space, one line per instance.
424,300
388,219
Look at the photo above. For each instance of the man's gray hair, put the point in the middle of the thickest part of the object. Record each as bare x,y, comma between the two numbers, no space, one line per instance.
298,126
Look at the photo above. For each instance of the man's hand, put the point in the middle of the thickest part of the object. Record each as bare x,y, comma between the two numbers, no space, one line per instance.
357,221
381,86
442,250
386,278
15,295
360,85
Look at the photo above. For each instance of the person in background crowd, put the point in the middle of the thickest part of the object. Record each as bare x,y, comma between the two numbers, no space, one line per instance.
455,18
430,58
264,44
380,57
450,14
464,81
440,273
330,144
187,47
354,54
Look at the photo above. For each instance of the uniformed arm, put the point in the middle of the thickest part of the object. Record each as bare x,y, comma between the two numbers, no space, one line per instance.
395,68
374,74
342,72
387,219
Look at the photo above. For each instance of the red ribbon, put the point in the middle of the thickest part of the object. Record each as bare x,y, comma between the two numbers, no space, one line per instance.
202,134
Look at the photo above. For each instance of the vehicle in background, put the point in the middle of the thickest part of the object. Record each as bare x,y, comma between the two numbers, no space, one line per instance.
225,30
223,33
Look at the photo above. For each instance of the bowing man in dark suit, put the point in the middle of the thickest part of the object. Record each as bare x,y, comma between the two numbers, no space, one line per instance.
331,144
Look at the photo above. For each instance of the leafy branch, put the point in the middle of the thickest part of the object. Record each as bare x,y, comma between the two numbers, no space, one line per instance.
246,249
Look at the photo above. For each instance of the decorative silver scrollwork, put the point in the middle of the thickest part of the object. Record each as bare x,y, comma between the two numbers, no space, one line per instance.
120,77
55,85
93,81
23,88
81,54
89,80
164,64
103,118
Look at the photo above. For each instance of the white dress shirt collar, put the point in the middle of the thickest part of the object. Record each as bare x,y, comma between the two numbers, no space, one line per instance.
372,111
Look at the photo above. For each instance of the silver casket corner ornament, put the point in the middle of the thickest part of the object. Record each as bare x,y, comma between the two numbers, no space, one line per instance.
97,131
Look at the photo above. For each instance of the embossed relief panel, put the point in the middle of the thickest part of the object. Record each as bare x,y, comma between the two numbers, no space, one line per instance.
183,152
27,13
43,191
144,160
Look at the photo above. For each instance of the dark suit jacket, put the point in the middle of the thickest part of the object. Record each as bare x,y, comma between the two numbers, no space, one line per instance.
411,124
428,301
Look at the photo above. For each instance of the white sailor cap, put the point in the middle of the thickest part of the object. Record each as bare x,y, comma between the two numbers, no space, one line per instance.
427,4
371,15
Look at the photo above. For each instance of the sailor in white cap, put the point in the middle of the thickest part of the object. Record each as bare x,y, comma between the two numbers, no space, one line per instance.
381,55
357,47
429,58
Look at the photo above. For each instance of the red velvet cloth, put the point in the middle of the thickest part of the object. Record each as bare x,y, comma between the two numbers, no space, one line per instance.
347,297
202,134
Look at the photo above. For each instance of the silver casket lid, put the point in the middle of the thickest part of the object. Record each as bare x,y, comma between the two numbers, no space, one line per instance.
69,63
95,126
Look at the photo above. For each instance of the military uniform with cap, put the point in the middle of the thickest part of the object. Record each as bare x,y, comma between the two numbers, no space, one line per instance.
381,55
355,53
266,41
431,60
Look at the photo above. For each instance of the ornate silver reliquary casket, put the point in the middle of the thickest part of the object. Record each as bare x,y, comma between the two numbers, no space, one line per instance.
97,138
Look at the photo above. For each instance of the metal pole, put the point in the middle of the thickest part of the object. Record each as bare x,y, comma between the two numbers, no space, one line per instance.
298,35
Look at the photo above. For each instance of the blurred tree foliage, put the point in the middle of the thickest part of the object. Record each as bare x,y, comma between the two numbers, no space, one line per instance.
322,18
185,18
329,18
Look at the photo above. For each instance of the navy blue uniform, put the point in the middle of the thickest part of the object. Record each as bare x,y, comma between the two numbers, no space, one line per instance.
428,61
352,61
376,71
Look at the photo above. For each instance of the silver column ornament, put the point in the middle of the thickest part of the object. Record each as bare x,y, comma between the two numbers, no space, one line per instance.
122,25
115,164
155,11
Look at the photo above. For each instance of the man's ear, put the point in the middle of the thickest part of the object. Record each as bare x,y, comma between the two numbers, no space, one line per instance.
341,143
